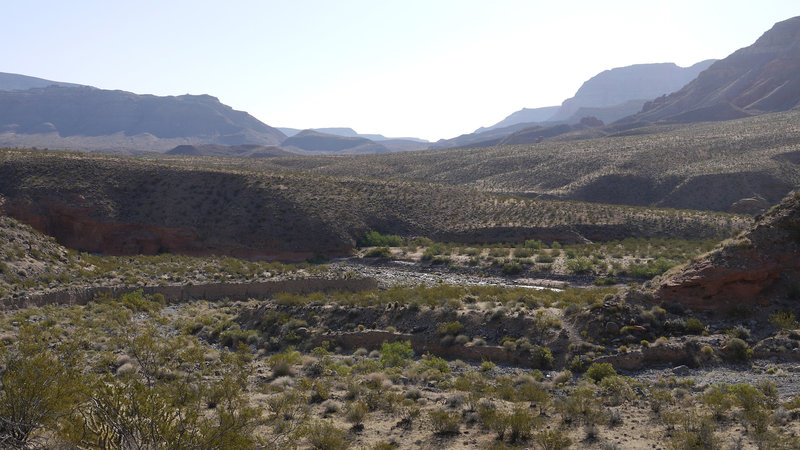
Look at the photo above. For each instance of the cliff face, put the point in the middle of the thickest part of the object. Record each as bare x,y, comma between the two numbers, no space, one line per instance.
760,266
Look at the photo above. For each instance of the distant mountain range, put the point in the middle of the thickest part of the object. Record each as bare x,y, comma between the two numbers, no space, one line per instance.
87,118
35,112
761,78
401,144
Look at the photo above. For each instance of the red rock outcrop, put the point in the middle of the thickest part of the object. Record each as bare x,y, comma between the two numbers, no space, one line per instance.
760,266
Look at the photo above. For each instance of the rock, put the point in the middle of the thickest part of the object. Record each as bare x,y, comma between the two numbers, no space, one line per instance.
612,328
681,371
749,271
301,332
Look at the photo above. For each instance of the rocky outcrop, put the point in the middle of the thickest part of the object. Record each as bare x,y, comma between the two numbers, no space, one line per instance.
760,266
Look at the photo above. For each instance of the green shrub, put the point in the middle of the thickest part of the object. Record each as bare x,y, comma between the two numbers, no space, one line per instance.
434,250
375,239
581,405
511,268
650,269
378,252
534,244
783,320
577,365
597,371
522,252
603,281
39,387
521,423
541,357
449,328
553,440
324,435
738,350
579,265
396,354
693,325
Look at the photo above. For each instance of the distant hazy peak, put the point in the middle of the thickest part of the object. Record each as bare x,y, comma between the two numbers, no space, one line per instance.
17,82
636,82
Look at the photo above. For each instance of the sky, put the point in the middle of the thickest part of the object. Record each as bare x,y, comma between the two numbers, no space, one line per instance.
429,69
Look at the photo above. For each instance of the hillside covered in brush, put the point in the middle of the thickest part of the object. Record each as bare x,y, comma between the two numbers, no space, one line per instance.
742,165
117,205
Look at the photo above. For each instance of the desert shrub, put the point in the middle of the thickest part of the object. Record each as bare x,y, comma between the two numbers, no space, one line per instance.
739,331
694,431
523,252
375,239
162,404
435,363
324,435
533,244
396,354
449,328
616,389
40,386
604,281
520,423
582,406
544,258
650,269
553,440
541,357
718,400
693,325
577,365
409,412
511,268
432,251
355,413
281,363
738,350
378,252
659,398
752,401
486,366
579,265
597,371
445,422
498,252
783,320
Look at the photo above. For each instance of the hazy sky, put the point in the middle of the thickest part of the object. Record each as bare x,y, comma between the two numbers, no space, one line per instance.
430,69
